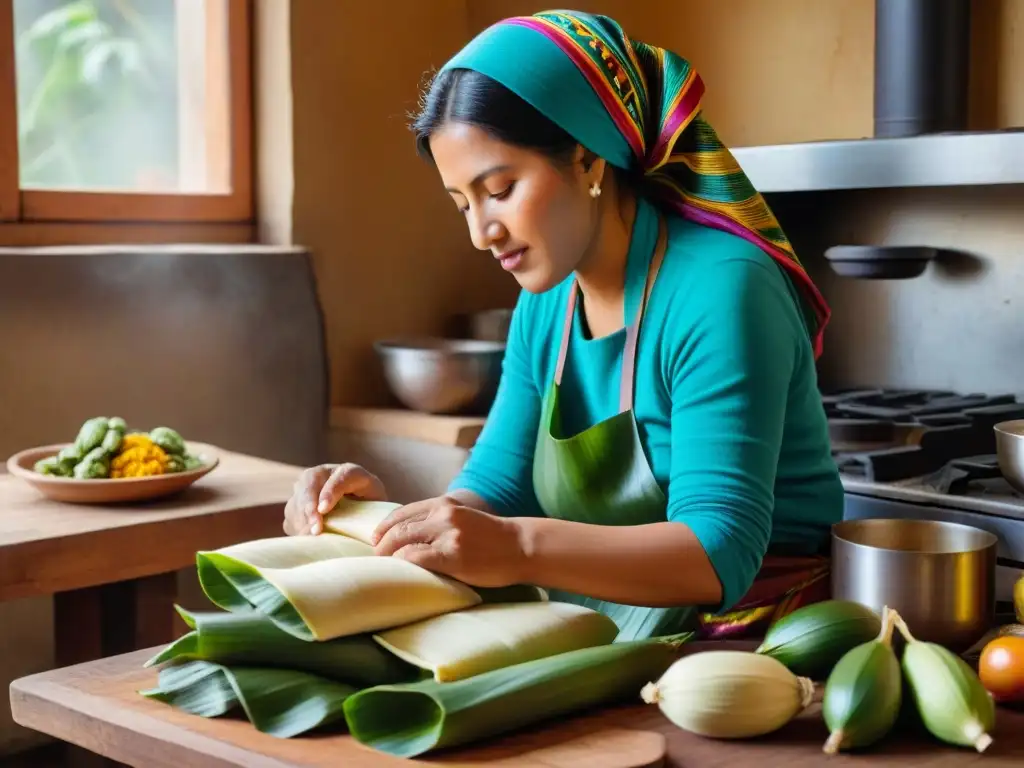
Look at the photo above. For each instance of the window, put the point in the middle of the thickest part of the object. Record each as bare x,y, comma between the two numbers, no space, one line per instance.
125,110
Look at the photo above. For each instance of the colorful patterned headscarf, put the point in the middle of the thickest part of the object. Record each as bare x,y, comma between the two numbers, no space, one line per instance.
646,118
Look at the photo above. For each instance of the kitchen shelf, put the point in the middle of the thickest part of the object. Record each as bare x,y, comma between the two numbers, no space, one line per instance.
456,431
936,160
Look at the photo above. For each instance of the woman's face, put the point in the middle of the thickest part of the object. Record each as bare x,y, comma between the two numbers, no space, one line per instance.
536,217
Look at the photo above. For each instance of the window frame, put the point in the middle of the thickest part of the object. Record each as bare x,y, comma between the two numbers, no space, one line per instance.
88,206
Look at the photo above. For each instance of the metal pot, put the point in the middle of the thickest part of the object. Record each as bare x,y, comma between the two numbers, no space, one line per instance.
939,576
1010,451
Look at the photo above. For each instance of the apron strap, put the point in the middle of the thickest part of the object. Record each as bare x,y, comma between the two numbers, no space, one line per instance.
633,335
570,309
632,331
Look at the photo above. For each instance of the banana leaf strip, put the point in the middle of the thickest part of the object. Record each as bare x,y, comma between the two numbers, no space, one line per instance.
248,638
278,702
407,720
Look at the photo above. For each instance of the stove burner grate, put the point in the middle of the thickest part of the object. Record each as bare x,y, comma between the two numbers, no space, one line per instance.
893,435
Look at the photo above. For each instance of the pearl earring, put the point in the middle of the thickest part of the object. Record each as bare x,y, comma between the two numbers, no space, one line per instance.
595,190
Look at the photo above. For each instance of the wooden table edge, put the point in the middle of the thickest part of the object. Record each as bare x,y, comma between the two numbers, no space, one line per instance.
38,701
51,702
256,516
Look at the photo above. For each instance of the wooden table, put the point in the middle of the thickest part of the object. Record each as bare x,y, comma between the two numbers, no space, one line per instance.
111,569
95,705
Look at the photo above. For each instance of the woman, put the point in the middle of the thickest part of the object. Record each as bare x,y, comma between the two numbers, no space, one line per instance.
658,447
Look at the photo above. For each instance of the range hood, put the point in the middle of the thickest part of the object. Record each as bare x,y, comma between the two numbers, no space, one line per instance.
937,160
921,136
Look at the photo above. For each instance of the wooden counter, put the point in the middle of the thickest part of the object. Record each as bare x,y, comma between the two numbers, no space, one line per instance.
112,569
95,705
48,546
456,431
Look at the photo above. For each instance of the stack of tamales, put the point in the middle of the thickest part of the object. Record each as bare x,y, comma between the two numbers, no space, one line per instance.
319,631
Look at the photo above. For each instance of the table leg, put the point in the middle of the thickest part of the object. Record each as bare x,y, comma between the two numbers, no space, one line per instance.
111,619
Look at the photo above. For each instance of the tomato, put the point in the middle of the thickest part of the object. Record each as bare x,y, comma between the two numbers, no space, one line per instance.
1001,668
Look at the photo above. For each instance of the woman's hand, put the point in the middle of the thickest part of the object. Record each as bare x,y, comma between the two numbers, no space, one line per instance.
318,489
446,537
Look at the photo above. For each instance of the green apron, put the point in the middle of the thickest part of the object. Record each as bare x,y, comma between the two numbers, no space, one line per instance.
601,475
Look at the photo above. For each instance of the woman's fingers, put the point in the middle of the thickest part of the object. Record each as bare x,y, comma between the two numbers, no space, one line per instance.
423,555
320,488
349,480
416,509
421,526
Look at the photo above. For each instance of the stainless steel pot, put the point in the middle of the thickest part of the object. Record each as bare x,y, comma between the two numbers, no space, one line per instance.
940,576
1010,451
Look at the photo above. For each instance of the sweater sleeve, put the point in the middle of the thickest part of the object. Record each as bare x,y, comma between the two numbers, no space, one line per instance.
500,465
729,374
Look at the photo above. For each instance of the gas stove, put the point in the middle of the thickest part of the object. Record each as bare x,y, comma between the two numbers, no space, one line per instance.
929,443
929,454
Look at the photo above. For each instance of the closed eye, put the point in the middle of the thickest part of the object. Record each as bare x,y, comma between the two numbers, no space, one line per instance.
496,196
505,192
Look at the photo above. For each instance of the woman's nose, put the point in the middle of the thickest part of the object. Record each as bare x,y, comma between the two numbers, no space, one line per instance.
485,233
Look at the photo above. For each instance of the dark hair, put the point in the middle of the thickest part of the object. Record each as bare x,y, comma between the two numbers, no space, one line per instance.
467,96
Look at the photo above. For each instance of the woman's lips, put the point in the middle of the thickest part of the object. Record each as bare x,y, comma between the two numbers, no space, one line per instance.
511,260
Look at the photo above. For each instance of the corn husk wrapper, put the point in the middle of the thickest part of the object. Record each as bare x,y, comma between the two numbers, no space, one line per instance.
470,642
324,587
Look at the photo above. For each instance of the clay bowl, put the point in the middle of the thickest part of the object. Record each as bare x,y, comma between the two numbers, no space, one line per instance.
107,491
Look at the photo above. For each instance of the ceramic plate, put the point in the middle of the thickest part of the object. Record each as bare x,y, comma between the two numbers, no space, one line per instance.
104,491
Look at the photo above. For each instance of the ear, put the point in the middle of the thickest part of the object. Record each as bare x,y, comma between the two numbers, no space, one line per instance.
589,166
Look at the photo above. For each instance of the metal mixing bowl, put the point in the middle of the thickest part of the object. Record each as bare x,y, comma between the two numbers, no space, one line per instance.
1010,451
939,576
442,376
491,324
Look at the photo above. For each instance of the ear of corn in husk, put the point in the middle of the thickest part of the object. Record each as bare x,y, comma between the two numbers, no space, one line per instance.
280,702
729,694
408,720
250,639
950,698
863,694
335,595
812,639
475,640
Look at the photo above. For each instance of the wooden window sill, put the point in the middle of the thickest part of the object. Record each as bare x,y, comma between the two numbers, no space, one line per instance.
16,234
455,431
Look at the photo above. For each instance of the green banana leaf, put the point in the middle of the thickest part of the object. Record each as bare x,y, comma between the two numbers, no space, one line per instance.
234,585
217,587
237,586
248,638
279,702
407,720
